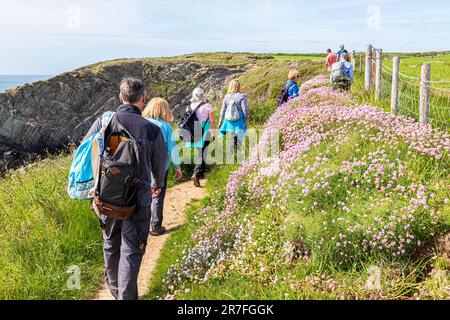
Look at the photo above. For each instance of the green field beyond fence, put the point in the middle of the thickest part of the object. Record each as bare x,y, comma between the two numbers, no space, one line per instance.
409,86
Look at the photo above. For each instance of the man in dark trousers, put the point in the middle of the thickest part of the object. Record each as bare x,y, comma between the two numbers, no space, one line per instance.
125,241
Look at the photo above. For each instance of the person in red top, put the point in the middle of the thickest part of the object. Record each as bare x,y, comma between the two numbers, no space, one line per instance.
331,59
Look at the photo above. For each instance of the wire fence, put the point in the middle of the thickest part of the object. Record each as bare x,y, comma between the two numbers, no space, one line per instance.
409,88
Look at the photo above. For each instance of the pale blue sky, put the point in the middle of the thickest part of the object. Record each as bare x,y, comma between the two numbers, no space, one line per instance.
52,36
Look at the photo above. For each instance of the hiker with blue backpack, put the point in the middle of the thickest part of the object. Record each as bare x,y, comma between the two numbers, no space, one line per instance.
342,74
124,157
290,89
234,116
158,112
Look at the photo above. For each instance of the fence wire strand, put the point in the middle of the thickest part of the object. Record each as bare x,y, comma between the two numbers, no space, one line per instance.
409,94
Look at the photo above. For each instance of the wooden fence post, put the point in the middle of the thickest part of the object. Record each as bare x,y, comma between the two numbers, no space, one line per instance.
395,80
378,74
354,60
425,91
373,66
360,63
368,75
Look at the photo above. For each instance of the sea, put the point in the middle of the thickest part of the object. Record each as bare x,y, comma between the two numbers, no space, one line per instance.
13,81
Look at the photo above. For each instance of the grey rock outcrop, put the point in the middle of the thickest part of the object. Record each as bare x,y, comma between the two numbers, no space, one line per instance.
46,115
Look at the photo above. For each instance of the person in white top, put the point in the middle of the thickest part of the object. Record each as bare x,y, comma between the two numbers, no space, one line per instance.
206,116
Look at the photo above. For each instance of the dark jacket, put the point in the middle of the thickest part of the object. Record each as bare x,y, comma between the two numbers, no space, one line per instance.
153,156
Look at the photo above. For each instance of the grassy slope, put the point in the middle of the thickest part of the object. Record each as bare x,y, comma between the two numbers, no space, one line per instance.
44,232
324,276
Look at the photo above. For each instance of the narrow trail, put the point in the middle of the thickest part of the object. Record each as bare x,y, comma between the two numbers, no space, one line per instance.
177,199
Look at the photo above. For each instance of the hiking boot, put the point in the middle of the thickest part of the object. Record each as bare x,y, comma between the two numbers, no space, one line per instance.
158,232
196,181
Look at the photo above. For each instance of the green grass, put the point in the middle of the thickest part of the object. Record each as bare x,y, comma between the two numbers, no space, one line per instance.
211,59
440,68
44,233
263,85
310,57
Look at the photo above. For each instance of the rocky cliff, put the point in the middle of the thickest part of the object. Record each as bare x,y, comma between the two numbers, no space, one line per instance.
46,115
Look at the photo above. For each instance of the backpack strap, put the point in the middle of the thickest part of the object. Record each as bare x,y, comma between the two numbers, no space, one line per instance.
195,110
106,119
233,100
198,107
288,87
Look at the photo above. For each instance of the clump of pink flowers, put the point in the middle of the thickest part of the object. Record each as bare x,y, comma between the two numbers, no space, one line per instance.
350,167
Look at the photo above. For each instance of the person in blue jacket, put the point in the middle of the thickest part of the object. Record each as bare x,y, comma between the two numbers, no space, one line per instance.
292,84
341,51
159,113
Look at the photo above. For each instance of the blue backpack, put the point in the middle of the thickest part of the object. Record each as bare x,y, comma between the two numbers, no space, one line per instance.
81,177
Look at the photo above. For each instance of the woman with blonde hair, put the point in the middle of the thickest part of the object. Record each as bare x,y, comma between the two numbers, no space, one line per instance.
204,112
293,78
159,113
290,89
234,115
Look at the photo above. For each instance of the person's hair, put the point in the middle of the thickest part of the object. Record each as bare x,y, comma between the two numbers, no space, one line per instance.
158,108
329,51
132,89
294,75
198,95
342,47
234,87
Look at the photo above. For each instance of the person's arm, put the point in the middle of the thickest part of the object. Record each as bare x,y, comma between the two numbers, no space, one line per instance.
222,112
295,90
212,121
174,154
244,107
158,160
95,128
172,146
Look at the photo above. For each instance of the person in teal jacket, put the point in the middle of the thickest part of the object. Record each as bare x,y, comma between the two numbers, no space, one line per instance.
159,113
237,130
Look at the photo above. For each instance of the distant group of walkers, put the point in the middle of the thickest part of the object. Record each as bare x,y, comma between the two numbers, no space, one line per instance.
340,68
